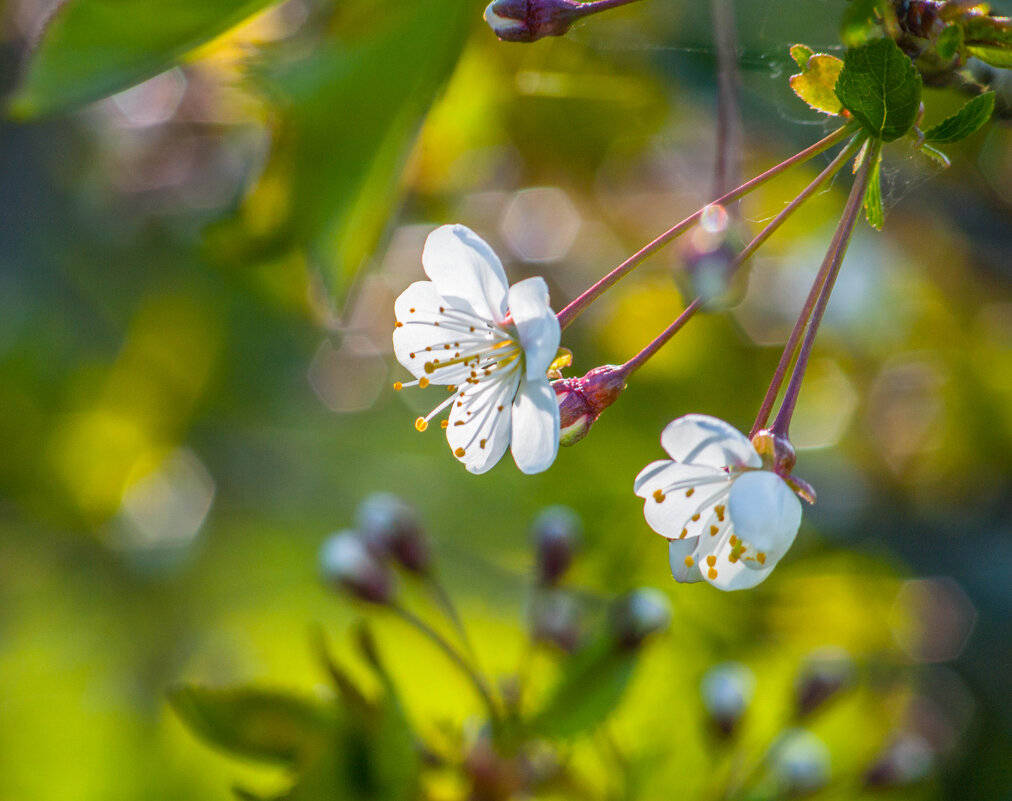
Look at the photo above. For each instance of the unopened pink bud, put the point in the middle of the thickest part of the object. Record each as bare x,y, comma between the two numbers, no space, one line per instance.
582,400
530,20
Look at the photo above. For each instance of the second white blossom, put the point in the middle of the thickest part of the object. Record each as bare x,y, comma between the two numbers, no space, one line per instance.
728,521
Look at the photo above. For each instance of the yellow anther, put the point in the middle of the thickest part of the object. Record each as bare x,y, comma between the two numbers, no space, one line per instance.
689,561
398,324
733,540
421,424
713,531
689,492
658,496
711,560
411,310
482,444
720,512
451,389
695,517
423,382
761,557
712,573
398,386
459,453
444,425
430,367
684,534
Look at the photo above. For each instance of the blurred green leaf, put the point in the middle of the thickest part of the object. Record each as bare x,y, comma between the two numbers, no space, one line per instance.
590,687
94,48
880,86
814,84
969,119
861,17
350,117
254,722
873,196
989,38
949,42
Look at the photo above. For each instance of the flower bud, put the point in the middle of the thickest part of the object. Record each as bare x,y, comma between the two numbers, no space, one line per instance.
907,760
346,562
390,528
555,619
776,451
709,271
557,532
727,690
638,614
530,20
582,400
826,672
801,762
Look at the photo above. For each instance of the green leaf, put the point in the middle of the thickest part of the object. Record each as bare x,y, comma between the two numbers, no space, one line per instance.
94,48
949,41
351,114
862,17
873,210
801,53
989,38
969,119
254,722
590,688
815,83
880,86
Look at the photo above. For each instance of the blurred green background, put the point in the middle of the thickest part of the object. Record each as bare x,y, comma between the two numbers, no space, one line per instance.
196,296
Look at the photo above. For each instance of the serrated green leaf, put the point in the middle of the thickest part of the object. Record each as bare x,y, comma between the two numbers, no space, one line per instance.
94,48
969,119
801,53
881,88
873,210
352,114
263,724
949,41
816,82
590,688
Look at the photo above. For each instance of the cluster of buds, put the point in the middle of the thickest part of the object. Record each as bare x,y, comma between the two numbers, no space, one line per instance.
357,560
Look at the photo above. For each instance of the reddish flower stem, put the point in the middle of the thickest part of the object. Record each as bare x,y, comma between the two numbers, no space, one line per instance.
831,267
568,314
824,177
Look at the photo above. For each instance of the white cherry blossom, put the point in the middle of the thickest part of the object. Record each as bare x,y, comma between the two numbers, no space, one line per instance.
728,521
490,344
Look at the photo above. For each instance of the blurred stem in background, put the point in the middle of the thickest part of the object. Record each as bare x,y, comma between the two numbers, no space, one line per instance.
568,314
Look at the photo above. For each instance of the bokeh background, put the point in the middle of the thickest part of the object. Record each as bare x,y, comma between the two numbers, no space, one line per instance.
196,290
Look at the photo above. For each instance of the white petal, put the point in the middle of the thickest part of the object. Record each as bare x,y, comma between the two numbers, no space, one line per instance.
466,271
536,323
687,491
678,551
739,576
765,513
480,426
703,440
417,340
535,425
